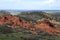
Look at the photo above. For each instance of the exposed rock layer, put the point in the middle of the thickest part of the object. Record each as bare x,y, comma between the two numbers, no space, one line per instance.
17,22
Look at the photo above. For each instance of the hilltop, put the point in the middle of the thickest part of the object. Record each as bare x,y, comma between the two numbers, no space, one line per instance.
33,16
4,13
33,25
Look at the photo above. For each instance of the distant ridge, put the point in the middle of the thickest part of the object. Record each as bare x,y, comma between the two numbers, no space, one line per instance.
32,10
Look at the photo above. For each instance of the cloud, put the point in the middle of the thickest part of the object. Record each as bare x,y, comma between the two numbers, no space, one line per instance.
20,4
49,1
10,0
35,4
40,3
44,1
7,1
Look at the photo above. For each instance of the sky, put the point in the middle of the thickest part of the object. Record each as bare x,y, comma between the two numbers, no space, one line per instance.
30,4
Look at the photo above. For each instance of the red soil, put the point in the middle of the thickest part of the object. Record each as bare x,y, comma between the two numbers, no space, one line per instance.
17,22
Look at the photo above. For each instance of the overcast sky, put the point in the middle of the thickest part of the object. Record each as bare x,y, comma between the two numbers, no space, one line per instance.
30,4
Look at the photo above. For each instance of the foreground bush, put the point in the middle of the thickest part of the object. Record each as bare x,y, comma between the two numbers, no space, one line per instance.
5,29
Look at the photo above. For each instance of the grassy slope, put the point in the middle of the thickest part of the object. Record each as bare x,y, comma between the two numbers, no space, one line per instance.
57,14
3,13
20,36
33,16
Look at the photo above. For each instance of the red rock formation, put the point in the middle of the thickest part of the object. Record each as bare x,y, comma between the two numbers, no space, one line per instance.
46,26
17,22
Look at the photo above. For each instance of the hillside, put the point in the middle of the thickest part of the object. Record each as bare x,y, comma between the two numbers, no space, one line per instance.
43,25
37,24
4,13
57,15
33,16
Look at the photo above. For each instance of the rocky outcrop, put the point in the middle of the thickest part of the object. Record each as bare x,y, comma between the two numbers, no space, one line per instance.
43,25
48,27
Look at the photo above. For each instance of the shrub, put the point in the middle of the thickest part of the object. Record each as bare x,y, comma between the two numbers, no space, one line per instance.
5,29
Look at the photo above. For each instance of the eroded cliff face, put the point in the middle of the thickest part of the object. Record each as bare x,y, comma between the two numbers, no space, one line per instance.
48,27
43,25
